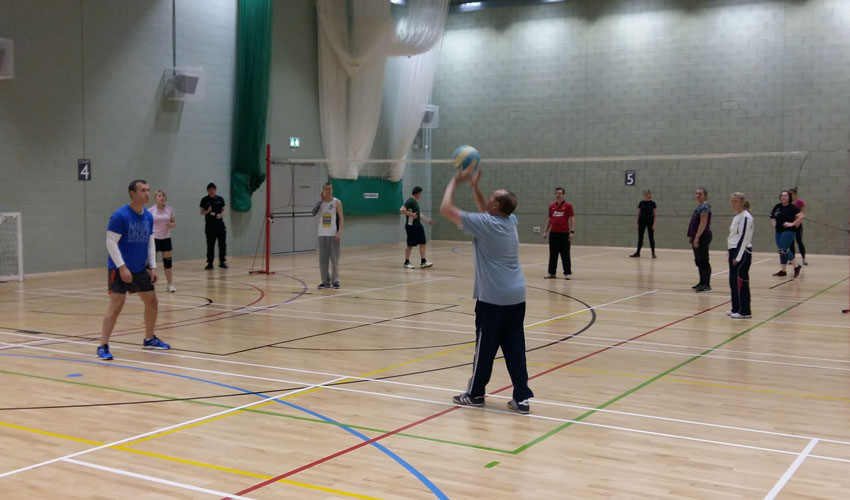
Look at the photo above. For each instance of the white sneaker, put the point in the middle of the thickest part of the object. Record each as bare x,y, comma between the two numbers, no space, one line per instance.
171,288
426,264
549,276
407,265
730,313
805,262
740,316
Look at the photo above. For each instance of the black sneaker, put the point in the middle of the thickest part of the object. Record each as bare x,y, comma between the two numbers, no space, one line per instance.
634,255
335,286
209,265
466,400
519,406
703,288
322,286
222,265
797,271
696,286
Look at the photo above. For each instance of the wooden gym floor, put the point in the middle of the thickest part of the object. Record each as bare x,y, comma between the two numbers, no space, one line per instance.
274,389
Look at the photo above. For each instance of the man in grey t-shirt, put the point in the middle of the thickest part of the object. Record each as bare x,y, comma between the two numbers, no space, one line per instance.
499,290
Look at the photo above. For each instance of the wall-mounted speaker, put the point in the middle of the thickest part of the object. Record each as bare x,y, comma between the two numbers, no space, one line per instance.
7,59
184,84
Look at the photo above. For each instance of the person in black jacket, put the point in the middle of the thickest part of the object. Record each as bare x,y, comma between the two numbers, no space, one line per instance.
212,208
646,221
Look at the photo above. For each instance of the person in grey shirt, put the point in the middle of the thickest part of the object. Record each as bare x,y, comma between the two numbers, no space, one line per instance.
499,289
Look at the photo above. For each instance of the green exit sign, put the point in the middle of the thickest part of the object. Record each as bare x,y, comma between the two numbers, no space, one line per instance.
294,142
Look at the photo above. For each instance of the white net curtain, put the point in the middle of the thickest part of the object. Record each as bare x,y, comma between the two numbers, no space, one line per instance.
356,39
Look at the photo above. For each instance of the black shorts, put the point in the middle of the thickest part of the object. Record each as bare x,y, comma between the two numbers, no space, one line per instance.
162,245
141,282
415,234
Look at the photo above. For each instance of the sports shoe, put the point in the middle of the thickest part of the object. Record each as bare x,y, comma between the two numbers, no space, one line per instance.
426,264
322,286
155,343
223,265
171,288
634,255
549,277
654,256
797,270
703,288
740,316
519,406
335,286
696,286
103,352
805,262
466,400
731,313
568,276
407,265
780,273
209,265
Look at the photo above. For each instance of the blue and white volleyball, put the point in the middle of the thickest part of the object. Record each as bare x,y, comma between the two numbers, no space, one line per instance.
466,157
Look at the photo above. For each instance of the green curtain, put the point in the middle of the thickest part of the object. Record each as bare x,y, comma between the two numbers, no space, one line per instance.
368,195
253,61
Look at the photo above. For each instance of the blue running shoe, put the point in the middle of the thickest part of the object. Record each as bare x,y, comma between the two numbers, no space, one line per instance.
103,352
155,343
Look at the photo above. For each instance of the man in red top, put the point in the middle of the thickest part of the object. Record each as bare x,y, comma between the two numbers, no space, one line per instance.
562,226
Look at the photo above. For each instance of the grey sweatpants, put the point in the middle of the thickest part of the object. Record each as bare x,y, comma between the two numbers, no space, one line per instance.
329,253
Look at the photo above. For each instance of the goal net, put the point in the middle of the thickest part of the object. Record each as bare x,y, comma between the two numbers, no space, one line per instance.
11,247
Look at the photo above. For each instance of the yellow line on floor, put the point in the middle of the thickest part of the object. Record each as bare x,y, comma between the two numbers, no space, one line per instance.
125,447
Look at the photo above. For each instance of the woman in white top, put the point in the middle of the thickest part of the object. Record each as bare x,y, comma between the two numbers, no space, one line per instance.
740,245
163,220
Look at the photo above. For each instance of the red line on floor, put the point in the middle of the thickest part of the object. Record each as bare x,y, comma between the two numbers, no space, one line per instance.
444,412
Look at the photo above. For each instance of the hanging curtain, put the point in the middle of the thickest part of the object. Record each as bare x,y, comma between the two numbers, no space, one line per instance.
253,60
420,30
355,40
351,74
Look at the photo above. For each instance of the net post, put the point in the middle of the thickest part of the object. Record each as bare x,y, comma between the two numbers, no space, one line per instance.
268,214
20,248
845,311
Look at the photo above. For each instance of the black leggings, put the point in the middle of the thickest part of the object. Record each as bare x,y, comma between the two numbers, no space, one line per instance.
739,281
701,259
645,224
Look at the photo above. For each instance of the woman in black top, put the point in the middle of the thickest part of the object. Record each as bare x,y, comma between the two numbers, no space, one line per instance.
785,218
646,220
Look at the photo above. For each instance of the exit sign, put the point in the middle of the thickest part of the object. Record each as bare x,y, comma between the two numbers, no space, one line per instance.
294,142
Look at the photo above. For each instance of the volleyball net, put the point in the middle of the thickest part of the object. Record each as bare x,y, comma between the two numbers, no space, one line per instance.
604,192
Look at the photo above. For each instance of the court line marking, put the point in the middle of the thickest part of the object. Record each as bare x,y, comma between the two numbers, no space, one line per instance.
205,465
791,470
279,311
364,440
518,450
772,322
162,429
665,372
153,479
423,400
572,342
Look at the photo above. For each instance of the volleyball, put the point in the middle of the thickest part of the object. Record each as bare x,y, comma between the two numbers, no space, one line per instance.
466,157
